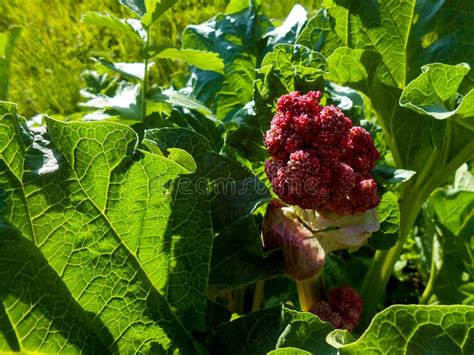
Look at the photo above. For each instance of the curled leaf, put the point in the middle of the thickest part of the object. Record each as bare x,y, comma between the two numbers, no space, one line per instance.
336,232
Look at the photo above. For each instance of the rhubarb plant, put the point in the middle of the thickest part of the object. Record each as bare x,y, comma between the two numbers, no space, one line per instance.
307,188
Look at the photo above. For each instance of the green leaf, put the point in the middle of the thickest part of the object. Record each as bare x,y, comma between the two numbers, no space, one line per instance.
452,267
417,329
123,104
464,179
389,216
31,293
305,331
452,264
345,66
239,39
238,259
228,194
339,337
389,30
128,70
356,24
176,98
294,65
287,68
137,6
452,208
86,243
289,351
278,327
183,158
244,138
236,6
7,44
200,59
155,9
434,92
130,27
171,108
350,101
290,29
450,129
148,10
388,175
315,33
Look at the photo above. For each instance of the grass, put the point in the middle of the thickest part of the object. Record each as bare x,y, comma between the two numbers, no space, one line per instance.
55,47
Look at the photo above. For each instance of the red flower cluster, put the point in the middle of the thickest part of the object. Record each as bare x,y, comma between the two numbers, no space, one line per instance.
319,160
342,310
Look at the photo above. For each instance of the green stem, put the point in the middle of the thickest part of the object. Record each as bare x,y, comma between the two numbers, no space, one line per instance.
305,294
239,300
258,295
145,77
382,265
433,274
310,291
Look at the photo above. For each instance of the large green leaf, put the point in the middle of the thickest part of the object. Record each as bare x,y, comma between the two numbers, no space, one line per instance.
353,66
88,257
238,39
417,330
7,44
397,32
285,69
441,139
406,35
434,93
316,32
293,65
290,29
278,327
242,37
227,195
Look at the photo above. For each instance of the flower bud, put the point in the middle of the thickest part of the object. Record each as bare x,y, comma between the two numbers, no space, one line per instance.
306,236
303,255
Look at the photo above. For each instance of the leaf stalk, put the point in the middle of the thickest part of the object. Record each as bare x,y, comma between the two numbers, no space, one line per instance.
145,76
310,291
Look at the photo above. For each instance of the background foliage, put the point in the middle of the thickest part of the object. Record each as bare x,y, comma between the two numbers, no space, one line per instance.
55,47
